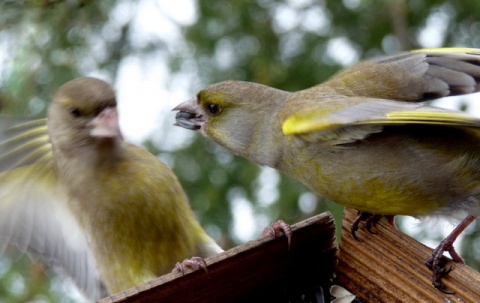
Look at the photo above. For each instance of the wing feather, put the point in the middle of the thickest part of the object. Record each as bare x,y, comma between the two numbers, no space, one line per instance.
34,214
366,117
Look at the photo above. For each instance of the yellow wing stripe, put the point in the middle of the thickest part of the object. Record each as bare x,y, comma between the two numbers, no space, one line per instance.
439,117
448,50
32,123
310,123
301,124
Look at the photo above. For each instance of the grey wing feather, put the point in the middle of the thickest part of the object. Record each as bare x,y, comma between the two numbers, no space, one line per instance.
368,116
34,215
23,141
441,73
37,221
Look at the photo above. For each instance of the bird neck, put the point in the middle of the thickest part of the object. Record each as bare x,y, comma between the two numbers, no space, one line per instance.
82,158
262,147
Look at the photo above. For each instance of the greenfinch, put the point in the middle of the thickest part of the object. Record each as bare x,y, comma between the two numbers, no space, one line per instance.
363,138
109,213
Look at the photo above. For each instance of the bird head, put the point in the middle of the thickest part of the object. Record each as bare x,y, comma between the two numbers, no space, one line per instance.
83,110
231,112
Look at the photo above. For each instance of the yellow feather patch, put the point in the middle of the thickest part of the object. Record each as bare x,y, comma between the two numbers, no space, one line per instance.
300,124
214,97
418,117
448,50
31,123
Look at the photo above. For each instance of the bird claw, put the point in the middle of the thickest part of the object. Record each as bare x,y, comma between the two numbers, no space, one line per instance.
194,263
370,221
437,263
438,272
277,229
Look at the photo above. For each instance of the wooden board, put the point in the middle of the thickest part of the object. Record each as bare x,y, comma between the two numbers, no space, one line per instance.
263,270
389,267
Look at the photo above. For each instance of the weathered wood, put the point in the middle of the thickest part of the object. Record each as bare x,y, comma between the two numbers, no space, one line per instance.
389,267
263,270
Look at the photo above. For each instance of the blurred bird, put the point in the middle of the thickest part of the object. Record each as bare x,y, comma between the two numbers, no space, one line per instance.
76,194
364,138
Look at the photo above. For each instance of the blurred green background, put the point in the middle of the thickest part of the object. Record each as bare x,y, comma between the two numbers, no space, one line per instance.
180,46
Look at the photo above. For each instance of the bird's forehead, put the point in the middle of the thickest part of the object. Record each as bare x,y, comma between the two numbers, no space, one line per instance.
87,104
222,98
85,92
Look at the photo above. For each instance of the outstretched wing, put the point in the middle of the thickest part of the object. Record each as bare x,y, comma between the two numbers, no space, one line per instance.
34,215
420,75
366,116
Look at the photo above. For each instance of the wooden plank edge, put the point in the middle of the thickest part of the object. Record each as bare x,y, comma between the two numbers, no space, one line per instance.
260,269
389,267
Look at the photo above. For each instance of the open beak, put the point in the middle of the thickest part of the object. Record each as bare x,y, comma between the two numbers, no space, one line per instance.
189,115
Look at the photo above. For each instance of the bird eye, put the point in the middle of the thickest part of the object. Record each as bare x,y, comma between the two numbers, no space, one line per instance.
213,108
75,112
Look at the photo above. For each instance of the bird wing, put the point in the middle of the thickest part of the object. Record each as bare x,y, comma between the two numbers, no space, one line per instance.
362,117
34,215
24,141
419,75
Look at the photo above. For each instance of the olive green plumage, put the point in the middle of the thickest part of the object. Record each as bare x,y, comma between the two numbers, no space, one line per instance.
131,214
363,138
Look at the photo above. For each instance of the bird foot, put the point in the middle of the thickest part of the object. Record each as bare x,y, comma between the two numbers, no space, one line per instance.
194,263
370,221
437,261
437,265
278,229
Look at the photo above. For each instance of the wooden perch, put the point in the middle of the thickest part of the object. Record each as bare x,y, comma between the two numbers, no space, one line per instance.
389,267
263,270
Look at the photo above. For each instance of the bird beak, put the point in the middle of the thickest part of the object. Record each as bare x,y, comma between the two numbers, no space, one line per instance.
105,124
188,115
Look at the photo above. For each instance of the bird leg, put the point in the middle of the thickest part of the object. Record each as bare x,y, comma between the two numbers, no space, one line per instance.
194,263
370,220
437,261
277,229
